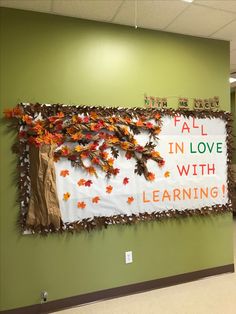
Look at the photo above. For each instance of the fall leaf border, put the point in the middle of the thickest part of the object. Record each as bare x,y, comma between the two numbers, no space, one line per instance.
21,149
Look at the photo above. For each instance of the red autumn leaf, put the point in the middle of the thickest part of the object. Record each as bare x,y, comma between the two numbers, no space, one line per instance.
128,155
81,205
95,160
161,163
139,148
88,183
64,173
109,189
86,119
125,180
130,199
149,125
65,151
115,171
81,182
88,136
96,199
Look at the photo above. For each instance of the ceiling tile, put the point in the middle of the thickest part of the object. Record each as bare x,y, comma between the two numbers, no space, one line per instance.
150,14
36,5
102,10
228,5
227,32
200,21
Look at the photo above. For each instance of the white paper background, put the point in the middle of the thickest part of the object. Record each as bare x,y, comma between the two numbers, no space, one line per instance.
115,203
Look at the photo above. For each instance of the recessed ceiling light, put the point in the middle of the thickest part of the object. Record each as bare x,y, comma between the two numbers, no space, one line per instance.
232,79
189,1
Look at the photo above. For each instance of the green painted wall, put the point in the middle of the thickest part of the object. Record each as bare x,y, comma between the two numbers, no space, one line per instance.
233,111
48,58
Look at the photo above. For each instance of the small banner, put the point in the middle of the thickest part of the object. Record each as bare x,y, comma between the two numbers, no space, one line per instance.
87,167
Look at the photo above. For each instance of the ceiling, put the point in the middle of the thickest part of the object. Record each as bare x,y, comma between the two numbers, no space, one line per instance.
205,18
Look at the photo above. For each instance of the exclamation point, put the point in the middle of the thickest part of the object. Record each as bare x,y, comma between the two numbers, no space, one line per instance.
223,190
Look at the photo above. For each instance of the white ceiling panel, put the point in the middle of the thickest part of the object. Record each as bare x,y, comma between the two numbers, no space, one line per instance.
200,21
227,32
227,5
150,14
36,5
102,10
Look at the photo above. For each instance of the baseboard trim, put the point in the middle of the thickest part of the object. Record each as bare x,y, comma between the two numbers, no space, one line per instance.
61,304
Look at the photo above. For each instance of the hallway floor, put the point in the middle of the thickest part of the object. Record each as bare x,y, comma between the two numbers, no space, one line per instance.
211,295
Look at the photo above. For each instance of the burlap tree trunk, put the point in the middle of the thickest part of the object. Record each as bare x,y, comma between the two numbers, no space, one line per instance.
44,207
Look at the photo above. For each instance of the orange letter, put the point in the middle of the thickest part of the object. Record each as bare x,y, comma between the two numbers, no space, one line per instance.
144,198
155,196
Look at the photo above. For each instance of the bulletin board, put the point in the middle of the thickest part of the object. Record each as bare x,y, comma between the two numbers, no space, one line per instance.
84,167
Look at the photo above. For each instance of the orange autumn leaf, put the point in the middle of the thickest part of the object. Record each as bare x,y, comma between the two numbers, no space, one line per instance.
64,173
81,205
114,140
130,199
96,199
105,167
167,174
38,128
81,182
157,116
128,120
110,161
93,115
139,123
109,189
60,115
77,136
111,127
27,119
124,145
78,148
91,170
157,130
8,113
74,118
104,155
125,130
84,154
150,176
66,196
155,154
